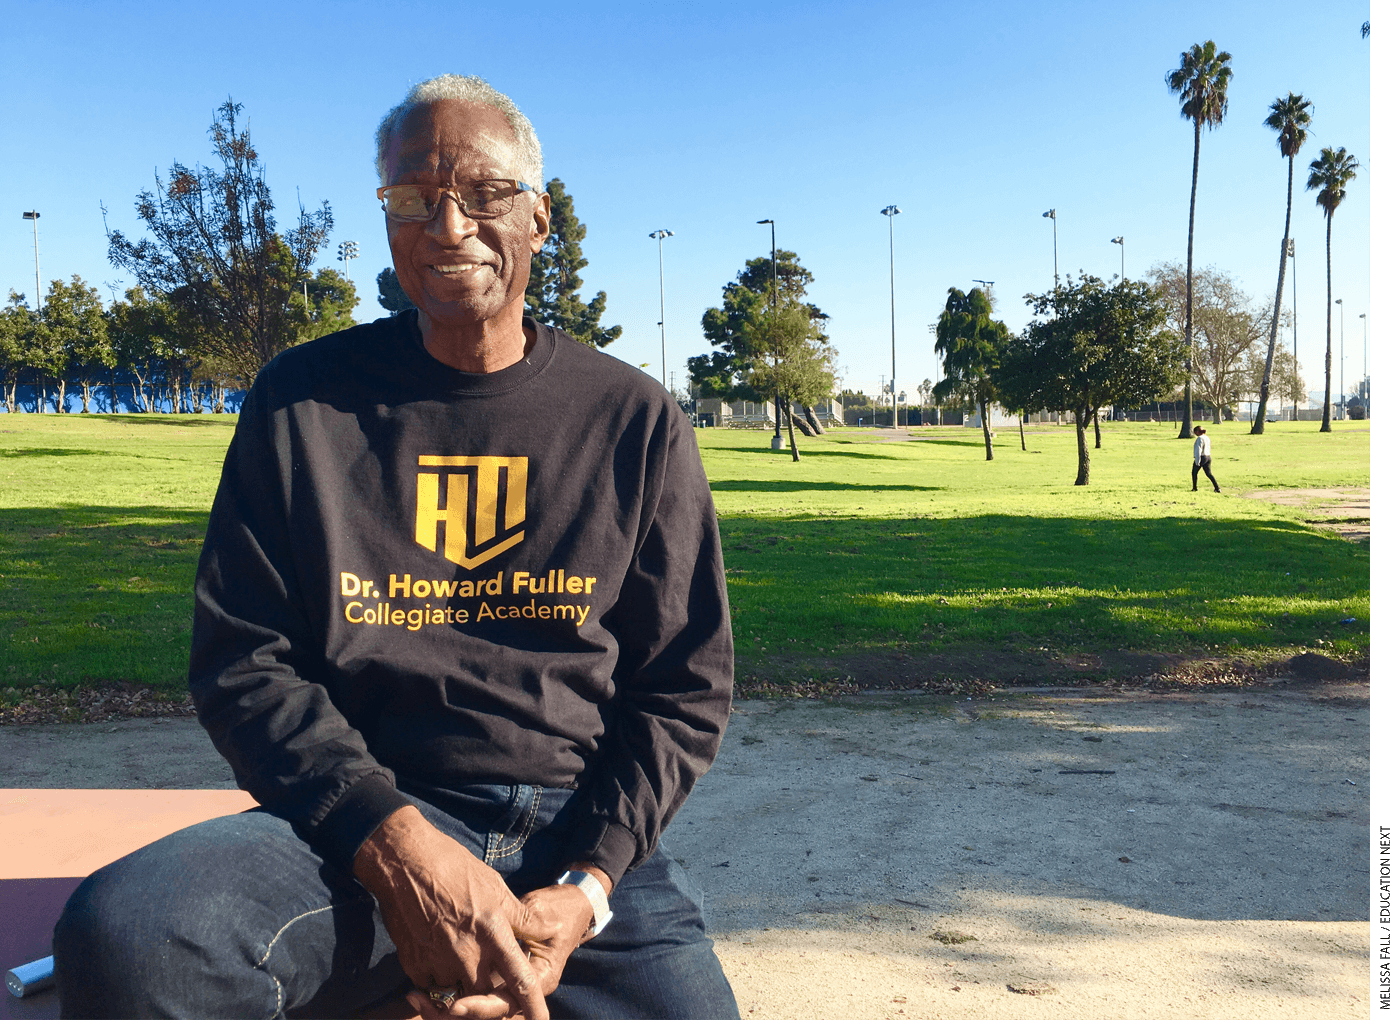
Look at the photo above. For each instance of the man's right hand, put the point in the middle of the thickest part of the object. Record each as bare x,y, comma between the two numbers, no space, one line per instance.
450,916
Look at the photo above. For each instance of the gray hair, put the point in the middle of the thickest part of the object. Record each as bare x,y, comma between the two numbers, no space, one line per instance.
469,89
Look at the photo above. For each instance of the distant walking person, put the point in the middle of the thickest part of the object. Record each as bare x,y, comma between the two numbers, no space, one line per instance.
1201,459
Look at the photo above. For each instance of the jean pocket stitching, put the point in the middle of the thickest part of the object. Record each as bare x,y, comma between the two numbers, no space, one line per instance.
525,830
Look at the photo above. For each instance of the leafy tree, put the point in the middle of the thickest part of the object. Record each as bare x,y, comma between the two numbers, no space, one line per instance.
1201,82
1231,329
1091,346
793,360
552,294
1287,383
18,325
71,331
1330,174
971,343
74,335
391,294
216,254
142,331
736,369
1290,118
332,301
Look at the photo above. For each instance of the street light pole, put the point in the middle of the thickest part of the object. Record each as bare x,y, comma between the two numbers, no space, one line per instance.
1055,223
33,217
892,211
1342,357
1123,253
1365,370
773,306
660,236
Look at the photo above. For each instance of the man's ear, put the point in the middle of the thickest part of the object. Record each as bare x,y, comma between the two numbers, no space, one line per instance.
539,223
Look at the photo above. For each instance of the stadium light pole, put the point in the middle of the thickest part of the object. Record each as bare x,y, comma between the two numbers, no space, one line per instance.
660,236
773,304
892,211
1055,224
348,250
33,217
1123,253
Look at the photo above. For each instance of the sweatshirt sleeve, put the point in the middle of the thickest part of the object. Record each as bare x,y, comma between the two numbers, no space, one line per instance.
256,667
675,672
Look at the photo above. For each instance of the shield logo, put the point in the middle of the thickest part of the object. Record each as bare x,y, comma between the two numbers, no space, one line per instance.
479,501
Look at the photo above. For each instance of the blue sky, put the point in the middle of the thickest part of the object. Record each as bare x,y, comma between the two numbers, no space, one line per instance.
705,117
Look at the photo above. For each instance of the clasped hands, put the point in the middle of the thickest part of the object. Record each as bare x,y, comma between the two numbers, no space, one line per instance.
455,923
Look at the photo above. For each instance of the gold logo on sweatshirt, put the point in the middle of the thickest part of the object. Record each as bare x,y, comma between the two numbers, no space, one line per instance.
479,501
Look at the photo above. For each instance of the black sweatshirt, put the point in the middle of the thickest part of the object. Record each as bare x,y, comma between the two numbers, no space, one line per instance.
426,578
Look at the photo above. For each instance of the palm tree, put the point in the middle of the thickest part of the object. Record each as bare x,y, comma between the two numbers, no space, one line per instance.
1331,173
1201,81
971,343
1290,118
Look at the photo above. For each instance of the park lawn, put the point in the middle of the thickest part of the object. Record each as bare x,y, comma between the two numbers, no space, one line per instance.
922,555
863,554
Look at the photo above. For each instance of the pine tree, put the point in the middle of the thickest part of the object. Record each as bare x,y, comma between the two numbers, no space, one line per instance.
552,295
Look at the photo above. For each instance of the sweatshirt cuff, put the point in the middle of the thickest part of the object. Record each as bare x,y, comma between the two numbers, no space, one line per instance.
355,817
613,848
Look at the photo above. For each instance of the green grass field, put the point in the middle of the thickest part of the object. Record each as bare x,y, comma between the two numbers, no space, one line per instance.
867,558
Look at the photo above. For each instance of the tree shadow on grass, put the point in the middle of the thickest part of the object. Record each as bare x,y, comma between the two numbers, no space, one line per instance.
811,451
1044,586
179,421
796,485
53,451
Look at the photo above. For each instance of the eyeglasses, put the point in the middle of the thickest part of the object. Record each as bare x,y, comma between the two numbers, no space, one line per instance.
481,200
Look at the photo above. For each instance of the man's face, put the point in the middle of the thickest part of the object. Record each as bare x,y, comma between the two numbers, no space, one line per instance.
457,270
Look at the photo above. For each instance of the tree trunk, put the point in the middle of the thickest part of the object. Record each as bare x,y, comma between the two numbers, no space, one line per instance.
1081,422
1258,428
801,423
1327,362
792,439
61,404
1021,424
1190,243
987,428
1098,439
1215,414
813,421
10,404
87,395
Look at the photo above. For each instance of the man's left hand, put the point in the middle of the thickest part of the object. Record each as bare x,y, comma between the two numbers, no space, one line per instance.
556,919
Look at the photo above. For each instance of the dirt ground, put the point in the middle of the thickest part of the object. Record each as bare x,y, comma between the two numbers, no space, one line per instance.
1347,512
1079,854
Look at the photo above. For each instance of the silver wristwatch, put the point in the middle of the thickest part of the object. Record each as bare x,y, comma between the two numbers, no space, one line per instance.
593,889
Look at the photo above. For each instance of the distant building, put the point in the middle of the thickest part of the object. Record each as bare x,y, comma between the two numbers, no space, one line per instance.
712,412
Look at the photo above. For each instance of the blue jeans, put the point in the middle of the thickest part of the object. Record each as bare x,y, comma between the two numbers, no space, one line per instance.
238,917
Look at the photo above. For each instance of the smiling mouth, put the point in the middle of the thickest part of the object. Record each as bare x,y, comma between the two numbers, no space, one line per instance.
453,270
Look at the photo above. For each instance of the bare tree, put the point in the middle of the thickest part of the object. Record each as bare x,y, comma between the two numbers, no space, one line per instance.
215,253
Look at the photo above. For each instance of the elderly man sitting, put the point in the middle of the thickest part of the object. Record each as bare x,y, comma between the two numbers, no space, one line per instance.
461,629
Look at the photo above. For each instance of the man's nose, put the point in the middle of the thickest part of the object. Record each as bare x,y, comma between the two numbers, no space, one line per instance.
450,224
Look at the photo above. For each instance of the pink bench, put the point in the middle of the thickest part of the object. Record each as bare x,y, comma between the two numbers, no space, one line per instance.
50,840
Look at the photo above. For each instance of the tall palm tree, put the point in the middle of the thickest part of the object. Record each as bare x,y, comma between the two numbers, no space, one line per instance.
1200,81
1290,118
1331,173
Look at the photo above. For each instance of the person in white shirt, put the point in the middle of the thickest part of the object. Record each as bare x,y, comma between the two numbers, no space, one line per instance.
1200,457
